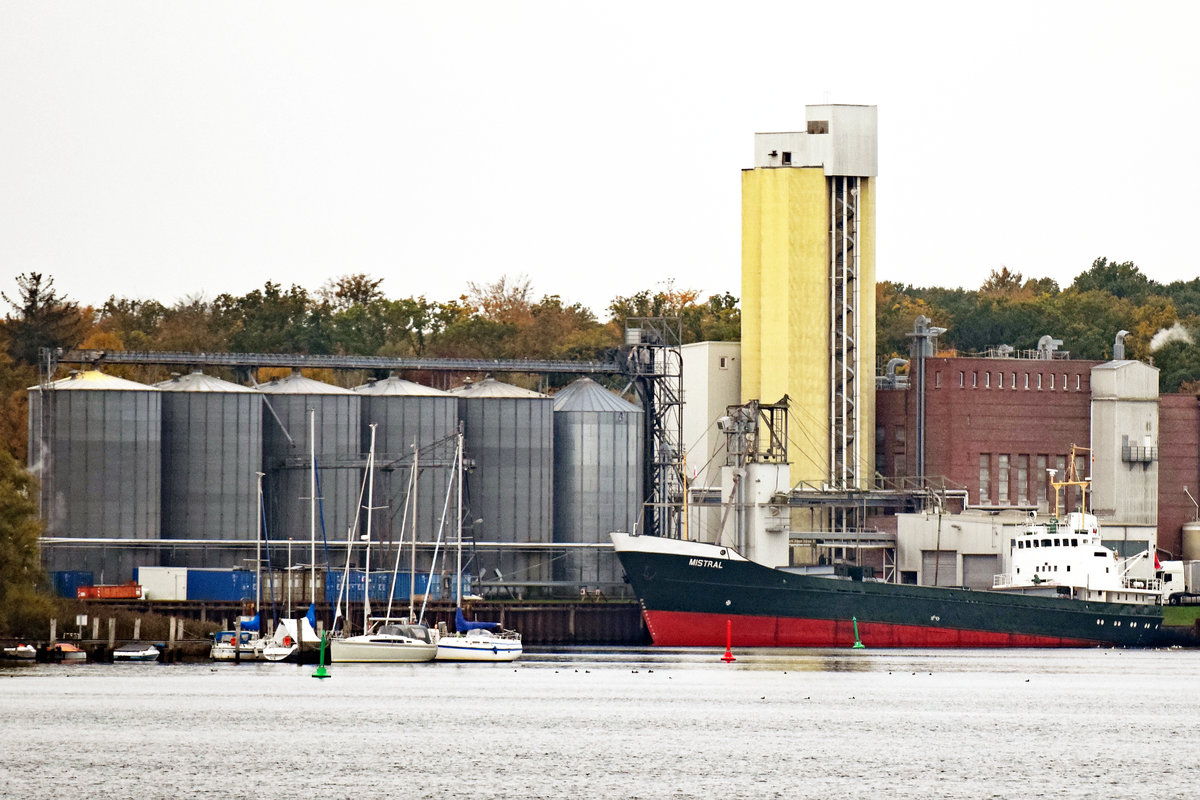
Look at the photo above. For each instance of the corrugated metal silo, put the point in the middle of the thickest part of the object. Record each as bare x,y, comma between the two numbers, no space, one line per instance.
212,452
408,413
95,445
509,433
597,478
285,438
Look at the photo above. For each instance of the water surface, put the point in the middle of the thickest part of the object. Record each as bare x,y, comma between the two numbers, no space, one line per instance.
615,723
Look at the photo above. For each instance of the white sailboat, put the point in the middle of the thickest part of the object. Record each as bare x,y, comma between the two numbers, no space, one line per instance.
473,641
296,639
383,640
245,642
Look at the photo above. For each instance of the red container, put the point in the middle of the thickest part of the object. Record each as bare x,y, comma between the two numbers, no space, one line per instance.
125,591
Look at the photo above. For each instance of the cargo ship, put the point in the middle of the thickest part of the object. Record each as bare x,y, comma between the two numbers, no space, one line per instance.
693,594
1066,589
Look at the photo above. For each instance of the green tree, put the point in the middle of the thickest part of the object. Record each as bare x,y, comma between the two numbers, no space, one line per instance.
43,319
24,610
1122,280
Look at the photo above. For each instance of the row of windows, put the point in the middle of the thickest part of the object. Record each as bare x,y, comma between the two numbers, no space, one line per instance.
1022,544
1006,466
1035,380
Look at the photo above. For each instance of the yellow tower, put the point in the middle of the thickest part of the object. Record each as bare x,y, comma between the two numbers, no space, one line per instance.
808,289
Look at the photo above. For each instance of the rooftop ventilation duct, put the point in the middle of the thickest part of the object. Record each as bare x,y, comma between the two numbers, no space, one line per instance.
1119,346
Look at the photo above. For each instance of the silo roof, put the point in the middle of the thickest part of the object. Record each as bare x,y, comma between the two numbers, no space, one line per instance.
394,386
490,387
199,382
96,380
587,395
298,384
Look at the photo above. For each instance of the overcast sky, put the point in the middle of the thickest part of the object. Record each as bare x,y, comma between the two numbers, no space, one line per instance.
168,149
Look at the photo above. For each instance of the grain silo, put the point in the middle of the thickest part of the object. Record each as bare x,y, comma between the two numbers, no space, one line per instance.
95,446
286,460
509,435
407,414
212,454
597,479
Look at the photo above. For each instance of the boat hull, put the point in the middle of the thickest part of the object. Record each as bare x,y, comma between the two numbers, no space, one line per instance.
366,649
467,648
694,594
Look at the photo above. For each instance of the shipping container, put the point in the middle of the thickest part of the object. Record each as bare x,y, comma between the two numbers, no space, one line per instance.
67,582
162,583
220,585
381,583
124,591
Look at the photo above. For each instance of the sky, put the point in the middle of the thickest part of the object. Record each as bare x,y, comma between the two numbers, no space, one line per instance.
183,149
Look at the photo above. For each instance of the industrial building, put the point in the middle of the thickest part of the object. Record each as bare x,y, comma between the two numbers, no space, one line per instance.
808,287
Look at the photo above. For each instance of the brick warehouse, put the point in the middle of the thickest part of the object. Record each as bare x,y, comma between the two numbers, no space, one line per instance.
995,425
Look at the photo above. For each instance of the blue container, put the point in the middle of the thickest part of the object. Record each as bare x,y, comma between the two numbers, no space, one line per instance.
381,584
67,582
220,585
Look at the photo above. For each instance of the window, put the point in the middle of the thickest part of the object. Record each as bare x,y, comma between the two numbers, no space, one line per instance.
987,380
1042,477
1022,480
786,158
1077,380
1002,474
1039,381
1026,380
999,380
818,126
722,362
960,380
1013,382
937,379
974,380
1051,380
985,477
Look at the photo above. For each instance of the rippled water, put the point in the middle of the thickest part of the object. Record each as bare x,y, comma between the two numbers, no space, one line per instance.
614,724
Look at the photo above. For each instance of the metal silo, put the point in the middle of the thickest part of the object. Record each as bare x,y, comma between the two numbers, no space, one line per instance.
597,479
286,460
405,414
212,453
95,446
509,434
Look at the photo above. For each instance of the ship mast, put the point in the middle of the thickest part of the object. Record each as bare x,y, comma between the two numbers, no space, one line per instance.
1071,478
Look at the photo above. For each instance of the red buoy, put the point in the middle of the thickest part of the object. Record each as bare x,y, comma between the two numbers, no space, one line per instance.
728,642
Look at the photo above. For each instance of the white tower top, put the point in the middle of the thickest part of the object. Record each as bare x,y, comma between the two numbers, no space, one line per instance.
840,138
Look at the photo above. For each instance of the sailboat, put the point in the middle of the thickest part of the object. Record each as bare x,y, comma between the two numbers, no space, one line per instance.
473,641
296,639
245,643
383,640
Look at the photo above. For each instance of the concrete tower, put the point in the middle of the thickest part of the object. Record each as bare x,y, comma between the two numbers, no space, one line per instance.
808,289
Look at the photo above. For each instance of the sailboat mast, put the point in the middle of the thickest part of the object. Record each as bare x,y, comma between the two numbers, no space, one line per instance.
312,489
458,481
412,573
367,558
258,550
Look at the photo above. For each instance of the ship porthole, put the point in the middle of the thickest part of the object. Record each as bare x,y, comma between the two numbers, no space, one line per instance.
728,602
722,552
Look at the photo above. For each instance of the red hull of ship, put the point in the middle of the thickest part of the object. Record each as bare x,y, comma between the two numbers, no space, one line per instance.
690,629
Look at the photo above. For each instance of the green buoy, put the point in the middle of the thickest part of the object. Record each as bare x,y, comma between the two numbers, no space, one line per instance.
858,645
321,671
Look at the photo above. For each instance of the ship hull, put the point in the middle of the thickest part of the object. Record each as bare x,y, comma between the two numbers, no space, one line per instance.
693,594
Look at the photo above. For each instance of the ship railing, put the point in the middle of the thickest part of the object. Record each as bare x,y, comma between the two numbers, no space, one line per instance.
1142,584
